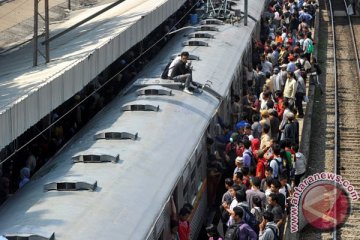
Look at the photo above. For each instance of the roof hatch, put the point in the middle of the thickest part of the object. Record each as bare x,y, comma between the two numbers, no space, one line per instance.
29,236
94,158
207,28
154,90
212,21
140,107
195,43
116,135
200,35
70,186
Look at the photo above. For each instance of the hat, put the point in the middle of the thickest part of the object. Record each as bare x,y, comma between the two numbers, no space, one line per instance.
234,136
239,160
284,65
240,124
276,70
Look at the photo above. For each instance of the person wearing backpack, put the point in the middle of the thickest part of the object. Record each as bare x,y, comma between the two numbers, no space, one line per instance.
308,46
276,163
248,157
268,229
239,230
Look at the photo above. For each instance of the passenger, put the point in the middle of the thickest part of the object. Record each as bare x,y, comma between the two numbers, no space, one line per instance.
250,105
268,174
268,228
226,205
213,233
184,225
180,71
276,162
239,162
256,126
259,78
25,176
247,154
300,164
238,181
257,209
274,124
246,232
255,191
265,137
300,91
290,129
246,178
277,211
290,88
227,195
261,164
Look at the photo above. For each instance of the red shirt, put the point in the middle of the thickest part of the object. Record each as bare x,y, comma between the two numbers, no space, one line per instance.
260,168
184,230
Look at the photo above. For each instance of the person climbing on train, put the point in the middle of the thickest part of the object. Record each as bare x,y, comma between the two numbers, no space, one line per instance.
180,71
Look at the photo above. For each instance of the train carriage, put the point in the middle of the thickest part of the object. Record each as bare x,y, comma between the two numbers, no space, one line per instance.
115,178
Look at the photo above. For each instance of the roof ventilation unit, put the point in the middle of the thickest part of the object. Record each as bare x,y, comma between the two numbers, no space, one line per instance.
207,28
93,158
154,90
29,236
70,186
116,135
200,35
195,43
141,107
212,21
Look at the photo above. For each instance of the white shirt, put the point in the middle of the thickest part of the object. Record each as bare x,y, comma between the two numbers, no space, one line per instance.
300,163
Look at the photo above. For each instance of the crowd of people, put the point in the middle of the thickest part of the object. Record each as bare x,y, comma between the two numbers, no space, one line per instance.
258,153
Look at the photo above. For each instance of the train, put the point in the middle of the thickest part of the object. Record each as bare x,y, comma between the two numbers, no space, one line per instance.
116,177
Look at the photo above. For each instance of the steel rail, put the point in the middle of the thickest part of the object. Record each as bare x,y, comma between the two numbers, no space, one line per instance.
334,235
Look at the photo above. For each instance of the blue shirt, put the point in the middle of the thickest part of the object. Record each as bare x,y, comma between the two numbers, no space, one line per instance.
246,232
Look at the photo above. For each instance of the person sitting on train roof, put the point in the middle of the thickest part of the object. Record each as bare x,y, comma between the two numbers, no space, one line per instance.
180,70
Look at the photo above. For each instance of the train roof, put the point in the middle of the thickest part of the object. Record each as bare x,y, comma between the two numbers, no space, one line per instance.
130,191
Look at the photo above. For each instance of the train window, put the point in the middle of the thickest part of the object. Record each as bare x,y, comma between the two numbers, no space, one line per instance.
70,186
185,190
116,135
193,174
199,161
28,236
154,90
195,43
140,107
94,158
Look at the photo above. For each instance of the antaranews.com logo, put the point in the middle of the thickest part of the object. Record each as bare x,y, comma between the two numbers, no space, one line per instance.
324,200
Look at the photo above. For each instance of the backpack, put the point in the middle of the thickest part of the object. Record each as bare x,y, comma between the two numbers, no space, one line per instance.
310,47
164,74
276,236
252,158
232,232
280,165
250,219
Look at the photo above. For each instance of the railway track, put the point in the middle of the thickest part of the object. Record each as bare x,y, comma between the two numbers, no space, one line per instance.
347,139
339,125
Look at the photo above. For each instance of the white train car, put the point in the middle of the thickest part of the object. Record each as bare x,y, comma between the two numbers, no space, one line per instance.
115,178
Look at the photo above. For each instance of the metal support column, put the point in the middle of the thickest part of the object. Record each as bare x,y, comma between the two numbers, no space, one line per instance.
47,50
35,38
246,12
36,49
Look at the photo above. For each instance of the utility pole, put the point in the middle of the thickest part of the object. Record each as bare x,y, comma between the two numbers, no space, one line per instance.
36,50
